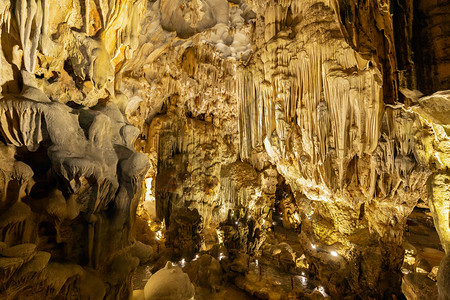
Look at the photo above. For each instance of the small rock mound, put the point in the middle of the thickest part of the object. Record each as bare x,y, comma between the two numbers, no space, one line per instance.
169,283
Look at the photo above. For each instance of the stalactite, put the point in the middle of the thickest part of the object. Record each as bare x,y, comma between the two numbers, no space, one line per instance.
29,17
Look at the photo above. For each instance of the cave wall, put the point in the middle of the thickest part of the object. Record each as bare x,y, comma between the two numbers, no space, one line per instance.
70,177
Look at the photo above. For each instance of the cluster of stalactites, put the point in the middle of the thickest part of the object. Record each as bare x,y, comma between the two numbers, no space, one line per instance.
319,89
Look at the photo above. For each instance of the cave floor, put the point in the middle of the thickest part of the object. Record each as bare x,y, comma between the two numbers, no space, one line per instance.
423,236
227,292
279,270
276,270
141,276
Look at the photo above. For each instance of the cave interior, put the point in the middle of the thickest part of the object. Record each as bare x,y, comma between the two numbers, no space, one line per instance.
225,149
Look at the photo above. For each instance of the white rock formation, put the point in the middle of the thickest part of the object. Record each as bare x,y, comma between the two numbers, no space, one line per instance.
169,283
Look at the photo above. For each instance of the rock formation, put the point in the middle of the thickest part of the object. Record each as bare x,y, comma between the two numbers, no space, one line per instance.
328,118
71,178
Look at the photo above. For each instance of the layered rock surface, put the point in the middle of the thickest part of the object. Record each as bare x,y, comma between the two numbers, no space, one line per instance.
71,179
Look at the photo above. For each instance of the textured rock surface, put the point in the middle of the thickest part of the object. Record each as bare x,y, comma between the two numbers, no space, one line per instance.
339,107
442,278
63,190
71,179
418,286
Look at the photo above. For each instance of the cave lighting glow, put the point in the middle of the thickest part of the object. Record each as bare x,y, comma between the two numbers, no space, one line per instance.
148,190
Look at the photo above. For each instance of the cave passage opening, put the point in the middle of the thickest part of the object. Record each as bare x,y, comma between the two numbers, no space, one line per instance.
423,248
